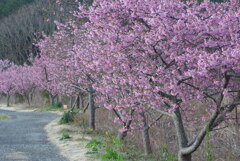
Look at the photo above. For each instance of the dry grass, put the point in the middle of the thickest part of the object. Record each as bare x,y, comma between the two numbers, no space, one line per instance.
225,142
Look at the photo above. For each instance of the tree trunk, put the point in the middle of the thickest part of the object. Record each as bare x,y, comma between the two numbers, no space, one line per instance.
29,98
8,100
146,137
78,102
181,135
71,102
81,101
52,99
122,135
237,128
59,99
91,108
185,157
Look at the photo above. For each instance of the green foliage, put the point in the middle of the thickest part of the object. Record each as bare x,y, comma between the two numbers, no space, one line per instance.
91,152
68,117
45,94
111,155
8,7
110,148
4,117
167,156
65,119
95,145
65,136
112,142
59,105
113,148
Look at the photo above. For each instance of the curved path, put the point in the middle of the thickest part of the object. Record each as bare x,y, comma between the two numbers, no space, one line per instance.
22,138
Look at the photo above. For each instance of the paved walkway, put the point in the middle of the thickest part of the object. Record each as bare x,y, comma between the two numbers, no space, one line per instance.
22,138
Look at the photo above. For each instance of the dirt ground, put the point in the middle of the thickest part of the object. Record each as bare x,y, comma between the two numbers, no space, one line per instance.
73,148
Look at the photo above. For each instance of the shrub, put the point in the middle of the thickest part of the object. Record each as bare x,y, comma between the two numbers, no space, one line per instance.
111,155
4,117
95,145
65,136
65,119
113,148
59,105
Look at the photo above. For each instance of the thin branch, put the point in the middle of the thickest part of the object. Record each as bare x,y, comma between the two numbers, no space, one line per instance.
84,110
154,108
157,119
78,87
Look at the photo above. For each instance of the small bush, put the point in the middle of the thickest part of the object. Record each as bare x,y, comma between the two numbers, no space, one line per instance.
65,118
113,148
65,136
59,105
95,145
4,117
112,155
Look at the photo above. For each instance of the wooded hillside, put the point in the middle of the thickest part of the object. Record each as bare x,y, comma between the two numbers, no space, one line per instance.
8,7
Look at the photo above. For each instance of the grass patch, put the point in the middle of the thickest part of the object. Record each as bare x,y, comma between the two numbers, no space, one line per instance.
4,117
65,136
95,145
51,108
106,148
66,118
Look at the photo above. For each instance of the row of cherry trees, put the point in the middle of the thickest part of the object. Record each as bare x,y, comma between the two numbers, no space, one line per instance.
17,79
133,56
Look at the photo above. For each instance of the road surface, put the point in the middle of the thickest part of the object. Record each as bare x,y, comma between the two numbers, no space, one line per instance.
22,137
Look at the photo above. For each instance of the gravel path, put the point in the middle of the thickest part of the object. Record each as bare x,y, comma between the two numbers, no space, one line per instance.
22,138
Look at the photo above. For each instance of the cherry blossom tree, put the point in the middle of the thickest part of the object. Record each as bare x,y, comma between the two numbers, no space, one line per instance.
52,62
8,79
165,55
62,67
26,83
